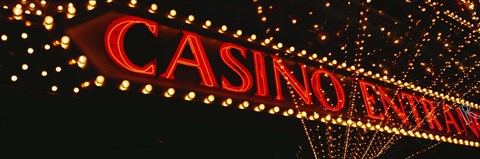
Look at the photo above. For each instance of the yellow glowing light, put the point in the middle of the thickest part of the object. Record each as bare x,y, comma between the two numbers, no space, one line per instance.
207,24
290,111
44,73
172,14
132,3
17,12
4,37
190,19
30,50
147,89
82,61
153,8
24,67
170,92
48,22
14,78
245,104
223,28
238,33
24,35
99,80
65,41
85,84
91,4
58,69
227,102
71,11
124,86
46,47
252,37
209,99
54,88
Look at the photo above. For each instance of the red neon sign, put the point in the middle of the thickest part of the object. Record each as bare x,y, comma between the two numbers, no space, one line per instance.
264,74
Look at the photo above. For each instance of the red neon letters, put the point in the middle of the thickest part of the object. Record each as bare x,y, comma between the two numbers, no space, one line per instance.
231,57
114,43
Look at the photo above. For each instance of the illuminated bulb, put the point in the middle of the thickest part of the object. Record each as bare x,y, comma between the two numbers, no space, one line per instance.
109,1
169,93
209,99
190,19
99,80
60,8
227,102
46,47
328,118
303,52
279,45
85,84
24,67
132,3
244,105
54,88
153,8
76,90
223,29
82,61
124,86
147,89
334,62
17,12
71,11
72,61
24,35
43,2
359,123
44,73
58,69
368,1
324,59
349,122
14,78
30,50
65,41
190,96
290,111
48,22
291,49
4,37
323,37
207,24
91,4
252,37
238,33
172,14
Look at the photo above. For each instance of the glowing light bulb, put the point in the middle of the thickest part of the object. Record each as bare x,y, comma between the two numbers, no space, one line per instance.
190,19
190,96
227,102
99,80
153,8
207,24
24,67
169,93
124,86
209,99
172,14
14,78
48,22
147,89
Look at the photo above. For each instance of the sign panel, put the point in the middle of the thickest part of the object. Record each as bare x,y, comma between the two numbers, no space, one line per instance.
165,54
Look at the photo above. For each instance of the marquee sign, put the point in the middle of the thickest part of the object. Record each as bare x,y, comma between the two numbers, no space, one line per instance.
168,55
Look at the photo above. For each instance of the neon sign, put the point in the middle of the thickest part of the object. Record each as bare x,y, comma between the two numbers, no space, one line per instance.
190,60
